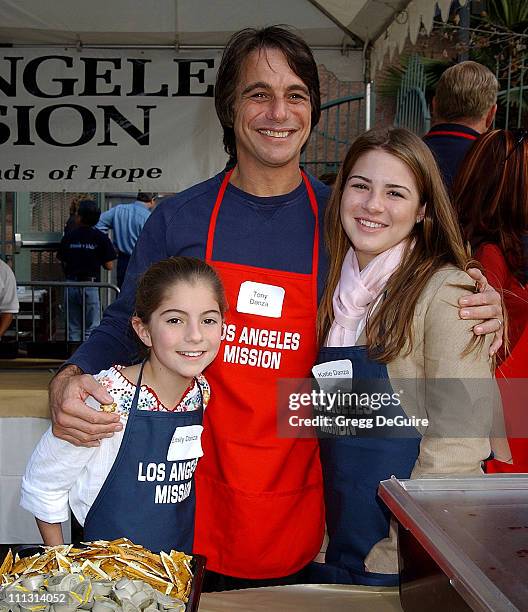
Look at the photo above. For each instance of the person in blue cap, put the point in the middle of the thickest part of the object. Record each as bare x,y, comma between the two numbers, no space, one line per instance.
82,252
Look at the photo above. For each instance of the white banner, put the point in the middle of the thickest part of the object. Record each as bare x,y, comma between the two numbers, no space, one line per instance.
107,120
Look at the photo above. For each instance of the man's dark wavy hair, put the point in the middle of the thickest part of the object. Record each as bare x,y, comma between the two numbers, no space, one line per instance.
239,46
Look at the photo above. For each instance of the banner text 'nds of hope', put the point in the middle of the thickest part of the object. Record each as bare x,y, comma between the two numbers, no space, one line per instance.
107,120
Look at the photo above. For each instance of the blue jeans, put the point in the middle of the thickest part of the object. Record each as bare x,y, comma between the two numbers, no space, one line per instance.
92,311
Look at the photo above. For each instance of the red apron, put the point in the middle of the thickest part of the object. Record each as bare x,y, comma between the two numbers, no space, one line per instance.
512,378
259,511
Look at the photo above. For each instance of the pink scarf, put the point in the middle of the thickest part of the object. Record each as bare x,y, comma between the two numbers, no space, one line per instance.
357,290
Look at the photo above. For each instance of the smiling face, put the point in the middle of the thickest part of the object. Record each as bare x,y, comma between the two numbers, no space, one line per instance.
272,112
380,204
184,332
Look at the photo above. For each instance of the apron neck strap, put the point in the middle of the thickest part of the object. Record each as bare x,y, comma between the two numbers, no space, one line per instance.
216,209
135,400
214,216
313,206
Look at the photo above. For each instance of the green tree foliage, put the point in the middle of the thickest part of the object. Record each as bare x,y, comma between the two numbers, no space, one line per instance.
498,38
391,77
501,43
509,14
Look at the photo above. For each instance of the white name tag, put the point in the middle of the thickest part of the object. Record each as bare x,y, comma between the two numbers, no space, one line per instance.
186,443
260,299
327,373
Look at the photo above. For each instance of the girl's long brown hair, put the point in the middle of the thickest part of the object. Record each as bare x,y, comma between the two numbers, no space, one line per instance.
491,195
437,242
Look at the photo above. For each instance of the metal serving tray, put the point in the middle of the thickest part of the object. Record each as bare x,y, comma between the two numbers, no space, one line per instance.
475,530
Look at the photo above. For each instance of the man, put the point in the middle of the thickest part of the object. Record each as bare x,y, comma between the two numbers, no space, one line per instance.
464,107
8,297
82,252
126,222
259,498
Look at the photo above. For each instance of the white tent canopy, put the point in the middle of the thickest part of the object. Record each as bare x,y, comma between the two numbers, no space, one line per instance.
73,117
382,25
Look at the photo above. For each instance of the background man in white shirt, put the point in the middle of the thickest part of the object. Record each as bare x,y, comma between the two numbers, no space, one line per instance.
8,297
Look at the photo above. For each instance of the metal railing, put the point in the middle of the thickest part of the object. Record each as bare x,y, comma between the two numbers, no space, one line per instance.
341,121
48,319
412,111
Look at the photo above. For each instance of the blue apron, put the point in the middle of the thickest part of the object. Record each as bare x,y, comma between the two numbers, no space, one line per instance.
353,466
145,497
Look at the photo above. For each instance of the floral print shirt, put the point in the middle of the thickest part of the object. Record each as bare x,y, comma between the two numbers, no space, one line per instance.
122,390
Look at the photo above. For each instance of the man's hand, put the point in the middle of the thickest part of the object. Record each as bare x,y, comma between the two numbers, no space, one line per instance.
73,420
5,322
487,305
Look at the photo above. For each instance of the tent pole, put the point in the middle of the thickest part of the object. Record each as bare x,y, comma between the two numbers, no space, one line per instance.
367,80
367,105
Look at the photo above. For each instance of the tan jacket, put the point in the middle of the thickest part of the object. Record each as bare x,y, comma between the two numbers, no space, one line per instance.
461,412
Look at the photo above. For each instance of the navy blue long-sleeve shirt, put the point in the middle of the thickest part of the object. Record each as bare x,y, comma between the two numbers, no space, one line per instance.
450,143
269,232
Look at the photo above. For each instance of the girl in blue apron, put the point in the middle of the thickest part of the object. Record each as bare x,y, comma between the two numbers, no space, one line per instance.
139,483
389,311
